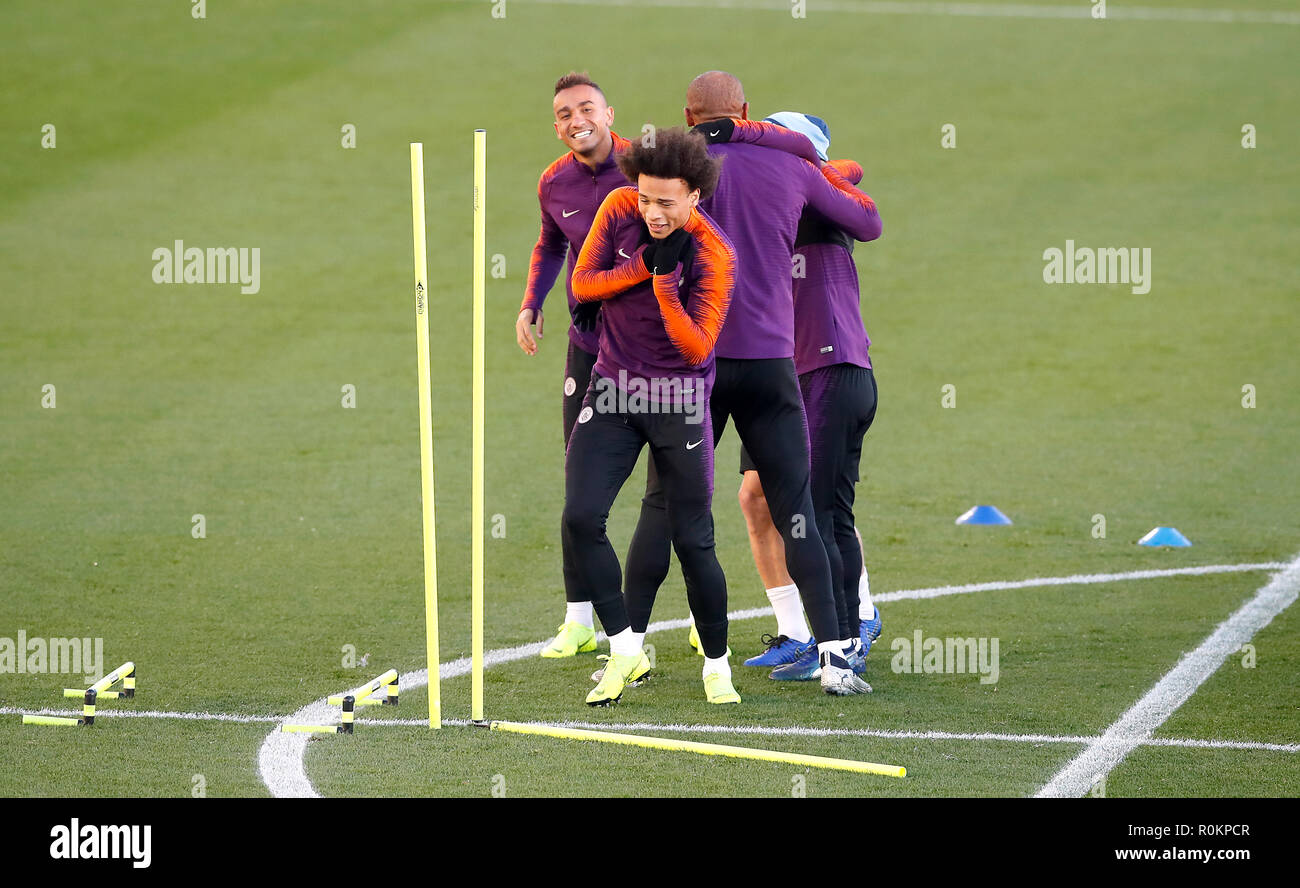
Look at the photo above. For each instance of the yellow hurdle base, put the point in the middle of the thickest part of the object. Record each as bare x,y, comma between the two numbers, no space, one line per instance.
743,752
52,720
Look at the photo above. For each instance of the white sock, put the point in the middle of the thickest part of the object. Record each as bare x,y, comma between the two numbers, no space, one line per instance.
864,597
579,612
831,647
624,644
789,612
640,640
720,665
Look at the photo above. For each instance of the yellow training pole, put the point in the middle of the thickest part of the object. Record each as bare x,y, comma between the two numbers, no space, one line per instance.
744,752
364,692
51,720
476,483
426,435
310,729
114,677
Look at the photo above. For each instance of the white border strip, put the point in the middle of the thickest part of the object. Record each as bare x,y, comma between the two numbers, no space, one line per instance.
1079,11
280,760
1178,684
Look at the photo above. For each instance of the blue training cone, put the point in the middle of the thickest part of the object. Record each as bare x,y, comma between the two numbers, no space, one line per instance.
1165,536
983,515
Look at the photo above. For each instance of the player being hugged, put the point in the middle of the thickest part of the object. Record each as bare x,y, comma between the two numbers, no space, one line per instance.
662,273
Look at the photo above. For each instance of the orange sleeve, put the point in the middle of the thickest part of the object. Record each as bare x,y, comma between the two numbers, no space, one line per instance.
841,182
596,275
770,135
694,333
849,169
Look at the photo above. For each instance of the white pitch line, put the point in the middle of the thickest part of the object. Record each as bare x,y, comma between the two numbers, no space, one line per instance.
1080,11
1078,579
148,713
1172,691
281,758
1222,744
796,731
789,731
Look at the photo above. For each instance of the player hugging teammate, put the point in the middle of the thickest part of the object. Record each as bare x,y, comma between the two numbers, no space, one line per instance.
658,328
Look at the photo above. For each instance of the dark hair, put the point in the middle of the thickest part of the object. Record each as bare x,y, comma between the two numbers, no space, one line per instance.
573,78
673,154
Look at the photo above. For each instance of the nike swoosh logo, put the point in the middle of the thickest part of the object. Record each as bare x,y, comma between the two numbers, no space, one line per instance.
624,255
569,213
690,446
715,132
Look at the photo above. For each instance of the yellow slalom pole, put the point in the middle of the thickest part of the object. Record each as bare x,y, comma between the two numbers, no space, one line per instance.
426,435
310,729
79,693
744,752
476,483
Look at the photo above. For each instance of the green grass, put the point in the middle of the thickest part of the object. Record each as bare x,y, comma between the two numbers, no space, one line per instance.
1072,401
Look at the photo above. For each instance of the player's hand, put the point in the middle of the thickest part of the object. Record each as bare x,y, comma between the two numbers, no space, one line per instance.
585,314
523,335
663,255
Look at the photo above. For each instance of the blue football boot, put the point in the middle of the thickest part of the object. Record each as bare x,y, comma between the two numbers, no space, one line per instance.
781,650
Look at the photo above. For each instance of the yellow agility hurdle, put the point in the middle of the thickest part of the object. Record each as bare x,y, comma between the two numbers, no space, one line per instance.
125,674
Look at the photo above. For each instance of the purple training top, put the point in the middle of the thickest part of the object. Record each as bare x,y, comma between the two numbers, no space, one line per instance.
659,330
828,326
761,195
569,192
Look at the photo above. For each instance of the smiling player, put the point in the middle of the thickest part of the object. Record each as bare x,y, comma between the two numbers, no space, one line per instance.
570,191
663,272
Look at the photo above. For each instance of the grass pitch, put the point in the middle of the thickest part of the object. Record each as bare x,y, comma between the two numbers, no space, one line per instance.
1071,401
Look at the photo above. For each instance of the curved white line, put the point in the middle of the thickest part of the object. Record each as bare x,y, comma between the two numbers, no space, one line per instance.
280,759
